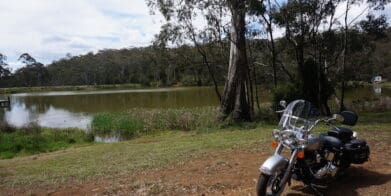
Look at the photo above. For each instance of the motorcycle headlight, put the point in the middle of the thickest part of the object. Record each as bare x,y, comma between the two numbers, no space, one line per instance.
289,141
276,134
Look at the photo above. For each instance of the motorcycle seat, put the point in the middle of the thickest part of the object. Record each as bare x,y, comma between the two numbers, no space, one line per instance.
341,133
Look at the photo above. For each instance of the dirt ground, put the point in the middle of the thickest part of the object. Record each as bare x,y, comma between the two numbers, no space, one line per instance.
231,172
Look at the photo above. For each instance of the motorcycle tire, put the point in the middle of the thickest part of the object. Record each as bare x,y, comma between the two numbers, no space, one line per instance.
263,180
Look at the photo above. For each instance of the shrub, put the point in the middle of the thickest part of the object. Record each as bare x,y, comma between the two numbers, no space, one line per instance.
288,92
141,121
32,139
125,125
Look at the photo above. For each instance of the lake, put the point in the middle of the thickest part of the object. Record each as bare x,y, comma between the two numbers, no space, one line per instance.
75,108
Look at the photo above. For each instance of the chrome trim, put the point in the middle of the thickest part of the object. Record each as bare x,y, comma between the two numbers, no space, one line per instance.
288,170
272,164
279,148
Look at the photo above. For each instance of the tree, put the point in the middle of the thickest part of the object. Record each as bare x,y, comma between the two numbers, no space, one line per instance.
180,16
235,98
301,20
372,4
4,70
28,60
33,74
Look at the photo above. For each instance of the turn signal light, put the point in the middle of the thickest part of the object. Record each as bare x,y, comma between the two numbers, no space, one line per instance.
274,144
300,155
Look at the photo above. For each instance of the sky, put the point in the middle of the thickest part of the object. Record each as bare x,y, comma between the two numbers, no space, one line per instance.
49,29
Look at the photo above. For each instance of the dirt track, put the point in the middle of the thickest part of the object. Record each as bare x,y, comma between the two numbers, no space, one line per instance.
232,172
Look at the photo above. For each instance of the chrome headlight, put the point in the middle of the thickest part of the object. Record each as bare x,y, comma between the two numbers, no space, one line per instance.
289,141
276,134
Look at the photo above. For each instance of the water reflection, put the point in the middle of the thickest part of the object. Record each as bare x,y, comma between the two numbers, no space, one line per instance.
377,89
93,102
107,139
18,115
75,109
21,115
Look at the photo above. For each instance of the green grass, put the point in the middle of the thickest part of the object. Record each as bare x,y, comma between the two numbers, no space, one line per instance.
386,84
152,151
141,121
374,117
109,123
33,140
67,88
156,150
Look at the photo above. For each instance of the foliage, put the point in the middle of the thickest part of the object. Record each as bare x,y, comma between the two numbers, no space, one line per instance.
4,71
288,92
33,139
140,121
125,125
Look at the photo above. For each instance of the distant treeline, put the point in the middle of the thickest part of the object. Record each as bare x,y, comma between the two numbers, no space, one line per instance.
162,66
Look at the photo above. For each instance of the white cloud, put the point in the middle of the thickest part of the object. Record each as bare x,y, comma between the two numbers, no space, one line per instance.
359,12
48,29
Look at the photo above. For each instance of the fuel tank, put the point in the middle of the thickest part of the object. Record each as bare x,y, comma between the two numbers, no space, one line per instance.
329,142
314,143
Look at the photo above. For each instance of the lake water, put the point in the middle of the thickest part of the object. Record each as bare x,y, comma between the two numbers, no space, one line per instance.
76,108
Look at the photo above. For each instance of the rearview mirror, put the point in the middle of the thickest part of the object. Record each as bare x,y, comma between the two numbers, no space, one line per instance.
349,118
283,103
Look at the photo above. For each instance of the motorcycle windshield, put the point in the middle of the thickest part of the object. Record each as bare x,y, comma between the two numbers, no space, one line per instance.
299,114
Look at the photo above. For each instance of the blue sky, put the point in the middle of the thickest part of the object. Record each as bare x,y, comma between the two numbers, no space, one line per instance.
49,29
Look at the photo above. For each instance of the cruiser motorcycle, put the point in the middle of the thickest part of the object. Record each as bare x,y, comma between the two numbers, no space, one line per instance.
316,160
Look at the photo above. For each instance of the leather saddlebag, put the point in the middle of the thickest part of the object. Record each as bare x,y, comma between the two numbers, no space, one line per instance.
357,151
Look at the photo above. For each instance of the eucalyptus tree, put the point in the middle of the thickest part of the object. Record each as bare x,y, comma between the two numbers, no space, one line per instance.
264,12
311,29
33,74
181,17
370,5
304,23
4,70
180,28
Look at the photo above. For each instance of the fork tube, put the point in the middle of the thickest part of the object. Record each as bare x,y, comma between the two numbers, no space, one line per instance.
288,170
279,148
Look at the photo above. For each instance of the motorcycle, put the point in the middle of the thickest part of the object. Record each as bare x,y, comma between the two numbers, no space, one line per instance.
316,160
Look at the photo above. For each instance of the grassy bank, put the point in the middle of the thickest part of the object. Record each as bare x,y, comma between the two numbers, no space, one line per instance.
154,151
141,121
138,122
68,88
33,140
386,84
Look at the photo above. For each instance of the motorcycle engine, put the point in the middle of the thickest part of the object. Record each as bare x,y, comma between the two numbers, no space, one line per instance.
328,170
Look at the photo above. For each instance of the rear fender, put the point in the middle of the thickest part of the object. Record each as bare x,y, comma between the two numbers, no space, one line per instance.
272,164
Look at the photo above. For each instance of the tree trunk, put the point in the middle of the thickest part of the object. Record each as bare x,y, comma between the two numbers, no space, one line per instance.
234,99
345,53
274,64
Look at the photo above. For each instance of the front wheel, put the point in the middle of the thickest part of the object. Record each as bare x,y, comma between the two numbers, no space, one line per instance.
268,185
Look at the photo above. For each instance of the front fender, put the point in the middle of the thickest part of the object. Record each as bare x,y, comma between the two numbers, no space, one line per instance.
272,164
